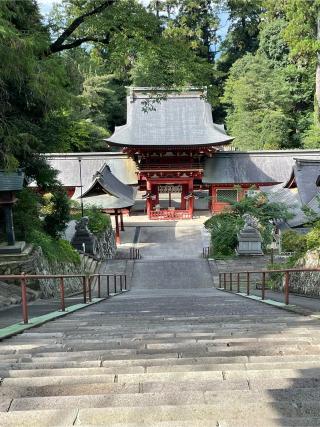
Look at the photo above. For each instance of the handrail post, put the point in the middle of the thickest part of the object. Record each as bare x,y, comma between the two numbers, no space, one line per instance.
286,287
115,283
231,282
24,299
99,286
219,280
238,283
125,282
108,285
63,306
248,283
224,281
89,287
263,285
84,286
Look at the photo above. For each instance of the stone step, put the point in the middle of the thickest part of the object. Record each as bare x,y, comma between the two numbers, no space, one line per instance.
95,417
138,369
235,410
52,363
298,397
166,376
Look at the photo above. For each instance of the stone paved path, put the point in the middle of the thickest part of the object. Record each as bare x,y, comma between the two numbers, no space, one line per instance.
165,355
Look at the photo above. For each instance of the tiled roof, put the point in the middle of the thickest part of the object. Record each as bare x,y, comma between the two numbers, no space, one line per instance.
234,167
182,119
11,181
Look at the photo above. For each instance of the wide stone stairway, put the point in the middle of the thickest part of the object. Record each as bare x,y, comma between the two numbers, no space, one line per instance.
172,352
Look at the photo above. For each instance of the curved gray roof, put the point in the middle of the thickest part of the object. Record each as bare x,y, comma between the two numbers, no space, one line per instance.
106,190
236,167
67,164
181,119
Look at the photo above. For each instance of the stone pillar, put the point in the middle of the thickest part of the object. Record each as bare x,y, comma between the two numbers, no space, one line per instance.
9,225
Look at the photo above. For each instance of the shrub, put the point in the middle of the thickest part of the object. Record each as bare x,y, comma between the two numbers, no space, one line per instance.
294,242
56,208
99,222
26,214
53,249
313,237
225,226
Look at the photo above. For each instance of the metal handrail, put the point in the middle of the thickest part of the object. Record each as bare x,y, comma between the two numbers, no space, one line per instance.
87,286
223,279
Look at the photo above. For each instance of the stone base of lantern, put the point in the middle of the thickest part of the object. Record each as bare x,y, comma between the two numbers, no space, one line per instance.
17,248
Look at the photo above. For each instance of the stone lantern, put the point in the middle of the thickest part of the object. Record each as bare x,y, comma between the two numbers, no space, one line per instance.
10,183
249,238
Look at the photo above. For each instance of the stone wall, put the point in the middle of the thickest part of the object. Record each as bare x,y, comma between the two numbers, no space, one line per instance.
32,261
307,283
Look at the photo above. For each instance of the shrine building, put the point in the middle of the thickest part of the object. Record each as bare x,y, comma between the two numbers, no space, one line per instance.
170,146
169,140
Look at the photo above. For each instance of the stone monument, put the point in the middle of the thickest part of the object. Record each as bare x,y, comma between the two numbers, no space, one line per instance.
83,240
249,238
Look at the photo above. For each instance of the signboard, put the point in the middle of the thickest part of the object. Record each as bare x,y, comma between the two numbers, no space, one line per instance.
170,188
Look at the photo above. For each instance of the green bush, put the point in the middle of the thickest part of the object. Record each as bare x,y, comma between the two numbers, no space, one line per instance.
57,212
225,226
99,222
293,242
53,249
26,214
313,237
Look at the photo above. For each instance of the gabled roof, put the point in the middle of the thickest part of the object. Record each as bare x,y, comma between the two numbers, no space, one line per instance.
305,174
106,189
179,119
11,181
236,167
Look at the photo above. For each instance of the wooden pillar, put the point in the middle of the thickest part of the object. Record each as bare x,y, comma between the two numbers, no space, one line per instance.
116,216
149,201
191,200
121,221
156,192
214,196
183,200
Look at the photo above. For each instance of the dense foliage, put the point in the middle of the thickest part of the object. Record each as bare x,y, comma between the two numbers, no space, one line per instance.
99,222
225,226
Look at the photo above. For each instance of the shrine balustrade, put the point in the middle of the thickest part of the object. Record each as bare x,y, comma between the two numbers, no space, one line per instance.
168,214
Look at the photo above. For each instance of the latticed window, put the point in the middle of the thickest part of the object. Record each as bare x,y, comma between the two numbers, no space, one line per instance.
227,195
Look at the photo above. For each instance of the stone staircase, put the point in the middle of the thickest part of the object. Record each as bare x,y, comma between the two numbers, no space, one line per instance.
165,358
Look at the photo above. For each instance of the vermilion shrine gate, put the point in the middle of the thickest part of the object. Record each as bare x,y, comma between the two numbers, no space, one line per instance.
169,141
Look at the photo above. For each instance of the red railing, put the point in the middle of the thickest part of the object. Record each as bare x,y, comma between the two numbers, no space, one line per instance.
168,214
232,281
116,281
